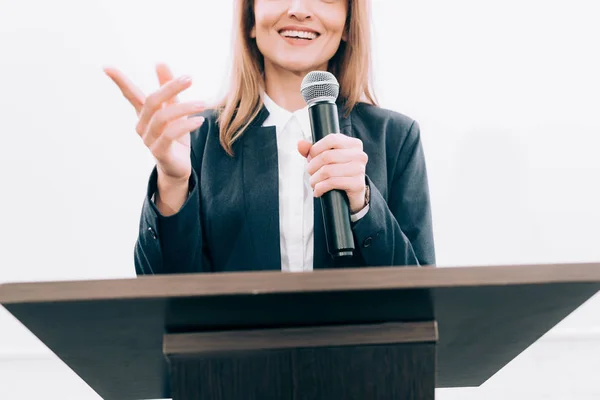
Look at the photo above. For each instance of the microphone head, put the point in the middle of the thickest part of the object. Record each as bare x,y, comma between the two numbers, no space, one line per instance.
320,86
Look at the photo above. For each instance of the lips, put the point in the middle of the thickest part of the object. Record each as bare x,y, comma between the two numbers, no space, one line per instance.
299,33
296,34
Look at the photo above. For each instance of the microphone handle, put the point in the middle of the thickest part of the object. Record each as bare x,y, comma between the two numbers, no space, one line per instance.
336,212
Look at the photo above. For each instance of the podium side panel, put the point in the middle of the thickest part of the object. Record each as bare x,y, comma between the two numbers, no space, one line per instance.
383,372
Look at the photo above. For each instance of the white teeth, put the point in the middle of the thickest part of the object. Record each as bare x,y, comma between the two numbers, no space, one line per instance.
299,34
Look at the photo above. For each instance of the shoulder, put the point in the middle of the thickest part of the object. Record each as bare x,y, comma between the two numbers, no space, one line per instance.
383,124
374,113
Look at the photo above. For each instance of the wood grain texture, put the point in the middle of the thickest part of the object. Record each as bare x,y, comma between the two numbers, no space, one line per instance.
253,376
288,338
383,372
110,332
256,283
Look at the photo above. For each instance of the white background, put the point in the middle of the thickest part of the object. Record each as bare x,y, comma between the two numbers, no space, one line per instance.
507,94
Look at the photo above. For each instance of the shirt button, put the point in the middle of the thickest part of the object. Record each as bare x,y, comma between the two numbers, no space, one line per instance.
367,242
152,233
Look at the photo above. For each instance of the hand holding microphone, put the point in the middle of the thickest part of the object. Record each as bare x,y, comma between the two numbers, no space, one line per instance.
336,163
165,129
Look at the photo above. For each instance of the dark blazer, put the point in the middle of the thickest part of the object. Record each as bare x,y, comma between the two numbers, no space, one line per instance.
230,221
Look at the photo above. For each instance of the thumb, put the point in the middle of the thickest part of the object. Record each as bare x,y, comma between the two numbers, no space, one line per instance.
304,147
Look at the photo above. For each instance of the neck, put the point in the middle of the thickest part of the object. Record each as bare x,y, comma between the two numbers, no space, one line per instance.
283,86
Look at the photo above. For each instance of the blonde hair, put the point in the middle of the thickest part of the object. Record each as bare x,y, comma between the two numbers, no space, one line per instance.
351,65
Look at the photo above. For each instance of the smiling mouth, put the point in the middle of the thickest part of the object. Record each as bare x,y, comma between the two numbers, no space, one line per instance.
302,35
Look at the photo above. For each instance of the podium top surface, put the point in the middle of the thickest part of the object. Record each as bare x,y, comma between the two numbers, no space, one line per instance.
110,331
268,282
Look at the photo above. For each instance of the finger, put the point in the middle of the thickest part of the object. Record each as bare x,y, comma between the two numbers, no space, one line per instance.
336,170
334,141
164,76
166,116
304,147
336,156
131,92
347,184
177,129
155,101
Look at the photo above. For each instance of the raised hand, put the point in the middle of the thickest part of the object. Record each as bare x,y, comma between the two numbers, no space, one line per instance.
163,124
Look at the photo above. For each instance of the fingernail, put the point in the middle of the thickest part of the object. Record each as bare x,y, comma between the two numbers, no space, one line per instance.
199,105
185,79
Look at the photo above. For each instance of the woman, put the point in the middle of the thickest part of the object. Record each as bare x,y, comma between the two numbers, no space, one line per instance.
236,187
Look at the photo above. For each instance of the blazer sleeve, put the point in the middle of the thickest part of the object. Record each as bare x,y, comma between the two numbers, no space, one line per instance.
173,244
399,231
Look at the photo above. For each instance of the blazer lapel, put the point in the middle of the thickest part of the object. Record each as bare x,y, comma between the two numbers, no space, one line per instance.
261,192
322,258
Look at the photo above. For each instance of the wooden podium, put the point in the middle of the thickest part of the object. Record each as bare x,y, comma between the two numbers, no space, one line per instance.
369,333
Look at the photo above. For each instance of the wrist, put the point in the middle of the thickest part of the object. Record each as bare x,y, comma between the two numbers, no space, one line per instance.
171,195
168,184
360,201
164,180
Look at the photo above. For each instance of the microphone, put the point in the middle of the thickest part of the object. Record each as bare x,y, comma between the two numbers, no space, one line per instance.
320,90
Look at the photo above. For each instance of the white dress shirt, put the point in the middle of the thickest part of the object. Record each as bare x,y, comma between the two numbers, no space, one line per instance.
296,200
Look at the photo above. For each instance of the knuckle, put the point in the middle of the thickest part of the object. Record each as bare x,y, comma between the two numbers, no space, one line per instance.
139,129
320,187
309,169
314,170
147,142
364,157
152,148
153,100
161,117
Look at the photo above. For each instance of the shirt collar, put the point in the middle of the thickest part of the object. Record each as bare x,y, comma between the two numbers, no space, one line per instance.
279,116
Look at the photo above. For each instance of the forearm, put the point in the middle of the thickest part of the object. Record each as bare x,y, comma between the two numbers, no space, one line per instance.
174,243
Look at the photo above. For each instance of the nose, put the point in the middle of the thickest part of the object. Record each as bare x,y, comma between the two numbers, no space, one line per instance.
299,9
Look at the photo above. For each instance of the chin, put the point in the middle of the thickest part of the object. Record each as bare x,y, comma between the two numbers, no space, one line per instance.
301,66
